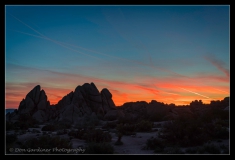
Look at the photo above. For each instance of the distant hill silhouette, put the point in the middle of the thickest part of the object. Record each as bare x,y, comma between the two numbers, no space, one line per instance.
9,111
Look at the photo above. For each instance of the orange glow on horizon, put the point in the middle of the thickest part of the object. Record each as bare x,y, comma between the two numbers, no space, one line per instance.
161,90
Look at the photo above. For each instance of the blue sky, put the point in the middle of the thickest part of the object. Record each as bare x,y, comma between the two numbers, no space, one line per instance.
173,54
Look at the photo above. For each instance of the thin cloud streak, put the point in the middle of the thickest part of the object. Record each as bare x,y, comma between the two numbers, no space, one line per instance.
194,92
165,86
63,45
218,64
129,89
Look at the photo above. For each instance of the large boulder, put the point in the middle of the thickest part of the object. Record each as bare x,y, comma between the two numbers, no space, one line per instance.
35,104
113,115
108,103
40,116
83,101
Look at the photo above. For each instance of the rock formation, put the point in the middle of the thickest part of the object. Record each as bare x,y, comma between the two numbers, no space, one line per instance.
84,100
35,104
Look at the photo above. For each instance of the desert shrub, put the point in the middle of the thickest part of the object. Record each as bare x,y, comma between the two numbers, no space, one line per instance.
44,133
77,134
222,123
49,127
56,126
156,117
155,144
97,136
62,125
214,113
99,148
46,142
209,149
126,129
191,150
225,149
109,125
221,114
216,131
61,132
144,126
10,138
221,133
205,149
88,122
192,132
35,131
126,120
9,126
25,121
173,150
119,142
201,150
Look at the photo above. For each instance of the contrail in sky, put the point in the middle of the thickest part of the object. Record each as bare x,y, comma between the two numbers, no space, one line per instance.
65,45
194,92
47,38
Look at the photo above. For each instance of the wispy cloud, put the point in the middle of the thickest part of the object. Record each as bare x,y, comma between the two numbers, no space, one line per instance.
148,86
217,63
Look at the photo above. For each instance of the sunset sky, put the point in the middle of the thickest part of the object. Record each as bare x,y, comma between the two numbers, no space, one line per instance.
172,54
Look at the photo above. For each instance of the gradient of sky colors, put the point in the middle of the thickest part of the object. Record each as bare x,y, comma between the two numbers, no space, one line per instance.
172,54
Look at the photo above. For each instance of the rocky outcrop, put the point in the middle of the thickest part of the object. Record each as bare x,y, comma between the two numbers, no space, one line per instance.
141,109
86,100
83,101
35,104
107,100
113,115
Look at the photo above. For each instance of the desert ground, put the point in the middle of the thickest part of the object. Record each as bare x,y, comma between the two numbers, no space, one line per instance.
132,144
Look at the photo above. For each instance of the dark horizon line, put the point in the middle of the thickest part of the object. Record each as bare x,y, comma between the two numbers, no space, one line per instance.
186,105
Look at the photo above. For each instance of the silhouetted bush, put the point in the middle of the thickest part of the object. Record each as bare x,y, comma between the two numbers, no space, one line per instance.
78,134
46,142
88,122
144,126
56,126
10,138
35,131
191,150
10,126
126,129
225,150
184,132
61,132
155,144
49,127
99,148
109,125
156,117
220,133
209,149
196,131
173,150
62,125
97,136
126,120
25,121
119,141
